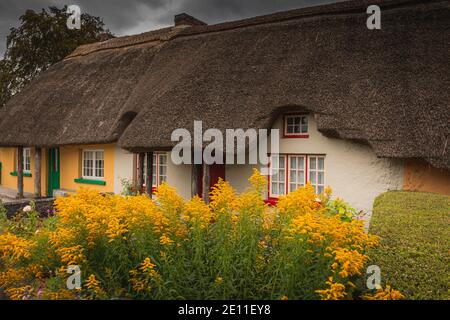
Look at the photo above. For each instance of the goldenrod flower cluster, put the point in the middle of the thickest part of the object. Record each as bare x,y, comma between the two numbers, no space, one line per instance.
236,247
384,294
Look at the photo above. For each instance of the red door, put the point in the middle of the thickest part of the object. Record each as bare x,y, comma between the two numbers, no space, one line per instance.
216,171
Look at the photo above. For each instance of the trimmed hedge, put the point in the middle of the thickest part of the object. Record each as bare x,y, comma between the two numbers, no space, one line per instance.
414,254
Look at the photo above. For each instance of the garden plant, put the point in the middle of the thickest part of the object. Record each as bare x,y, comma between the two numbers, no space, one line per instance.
237,247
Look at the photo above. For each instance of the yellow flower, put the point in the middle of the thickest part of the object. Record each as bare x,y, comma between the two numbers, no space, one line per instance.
351,262
147,265
116,229
385,294
218,281
143,279
63,294
301,201
14,247
165,240
258,181
222,197
92,283
13,277
93,287
198,213
72,255
336,291
22,293
168,198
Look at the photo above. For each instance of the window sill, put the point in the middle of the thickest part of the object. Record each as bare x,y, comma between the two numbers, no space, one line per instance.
272,201
25,174
296,136
92,182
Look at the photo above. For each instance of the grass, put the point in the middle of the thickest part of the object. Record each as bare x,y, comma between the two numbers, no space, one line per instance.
414,255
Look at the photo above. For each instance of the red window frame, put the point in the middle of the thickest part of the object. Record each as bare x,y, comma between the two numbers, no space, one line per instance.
155,163
294,135
272,199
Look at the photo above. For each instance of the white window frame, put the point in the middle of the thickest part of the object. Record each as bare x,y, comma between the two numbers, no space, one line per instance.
279,181
94,165
306,173
301,125
297,171
319,187
158,178
27,160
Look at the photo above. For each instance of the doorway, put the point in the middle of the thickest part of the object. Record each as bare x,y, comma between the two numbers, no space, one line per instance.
216,171
53,171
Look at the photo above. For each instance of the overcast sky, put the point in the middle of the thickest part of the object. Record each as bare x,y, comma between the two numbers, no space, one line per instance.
125,17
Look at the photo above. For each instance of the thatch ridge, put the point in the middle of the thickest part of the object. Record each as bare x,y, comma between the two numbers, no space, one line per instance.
387,88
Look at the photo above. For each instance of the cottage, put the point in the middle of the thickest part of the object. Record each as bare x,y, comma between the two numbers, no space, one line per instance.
364,111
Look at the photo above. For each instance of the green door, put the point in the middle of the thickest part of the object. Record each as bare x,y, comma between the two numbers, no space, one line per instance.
53,171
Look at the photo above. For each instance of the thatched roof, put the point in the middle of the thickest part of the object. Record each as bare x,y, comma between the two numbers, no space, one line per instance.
388,88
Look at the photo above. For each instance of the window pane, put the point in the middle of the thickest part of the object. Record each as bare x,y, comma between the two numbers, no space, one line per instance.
293,176
301,178
275,162
301,163
154,171
293,187
275,188
282,175
293,163
304,129
26,159
162,170
88,164
99,164
312,163
320,189
282,162
320,178
321,163
313,177
282,188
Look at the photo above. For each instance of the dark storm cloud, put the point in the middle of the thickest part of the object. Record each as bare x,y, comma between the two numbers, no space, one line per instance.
135,16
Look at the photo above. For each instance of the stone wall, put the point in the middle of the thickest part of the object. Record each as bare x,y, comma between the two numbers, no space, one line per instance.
43,206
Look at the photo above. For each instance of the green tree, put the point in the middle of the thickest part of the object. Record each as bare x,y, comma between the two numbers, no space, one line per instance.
41,40
5,82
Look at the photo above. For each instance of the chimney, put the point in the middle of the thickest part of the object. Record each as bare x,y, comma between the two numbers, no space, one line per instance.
184,19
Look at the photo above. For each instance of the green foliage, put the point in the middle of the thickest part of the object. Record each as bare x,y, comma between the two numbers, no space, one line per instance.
41,40
342,208
414,254
132,247
23,223
3,217
127,187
